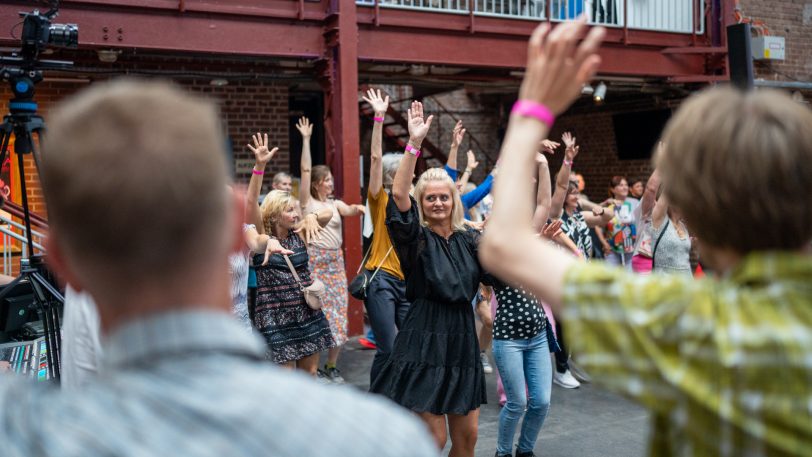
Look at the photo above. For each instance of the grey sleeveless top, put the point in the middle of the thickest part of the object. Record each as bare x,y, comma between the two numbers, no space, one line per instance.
673,253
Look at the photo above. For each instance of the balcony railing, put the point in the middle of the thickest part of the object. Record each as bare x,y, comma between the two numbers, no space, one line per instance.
675,16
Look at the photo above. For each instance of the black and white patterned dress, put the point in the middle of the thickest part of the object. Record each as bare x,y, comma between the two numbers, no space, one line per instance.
576,228
292,329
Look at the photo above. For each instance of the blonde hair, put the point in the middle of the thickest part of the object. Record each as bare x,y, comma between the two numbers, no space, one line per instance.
274,204
739,167
120,191
457,210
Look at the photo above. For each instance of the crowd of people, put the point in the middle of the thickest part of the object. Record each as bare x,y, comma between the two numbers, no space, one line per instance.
722,362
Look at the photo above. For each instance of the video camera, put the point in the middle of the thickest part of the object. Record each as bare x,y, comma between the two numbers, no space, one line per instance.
23,68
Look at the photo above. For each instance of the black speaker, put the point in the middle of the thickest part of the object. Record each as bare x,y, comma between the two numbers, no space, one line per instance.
740,56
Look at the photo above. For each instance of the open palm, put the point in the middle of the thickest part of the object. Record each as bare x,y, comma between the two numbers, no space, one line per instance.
378,104
418,127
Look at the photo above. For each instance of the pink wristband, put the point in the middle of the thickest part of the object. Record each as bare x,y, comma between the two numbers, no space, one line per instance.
257,172
568,162
414,151
378,119
529,108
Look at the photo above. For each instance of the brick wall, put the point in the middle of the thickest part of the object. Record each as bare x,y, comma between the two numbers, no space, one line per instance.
791,19
246,108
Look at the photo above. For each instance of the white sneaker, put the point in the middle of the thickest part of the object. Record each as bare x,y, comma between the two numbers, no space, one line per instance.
565,380
486,365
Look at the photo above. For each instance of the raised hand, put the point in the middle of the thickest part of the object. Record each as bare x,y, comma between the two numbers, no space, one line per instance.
549,146
457,135
552,229
378,104
262,154
569,142
305,127
309,229
472,162
418,127
274,247
557,66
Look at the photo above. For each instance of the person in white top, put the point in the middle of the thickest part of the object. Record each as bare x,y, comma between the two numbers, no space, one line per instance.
326,257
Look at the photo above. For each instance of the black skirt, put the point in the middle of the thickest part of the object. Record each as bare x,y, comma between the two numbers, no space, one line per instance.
434,366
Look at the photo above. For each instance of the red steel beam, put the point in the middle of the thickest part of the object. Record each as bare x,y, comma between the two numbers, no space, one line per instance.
108,25
341,36
391,45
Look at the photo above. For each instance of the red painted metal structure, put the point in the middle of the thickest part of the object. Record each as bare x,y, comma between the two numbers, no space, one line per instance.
337,34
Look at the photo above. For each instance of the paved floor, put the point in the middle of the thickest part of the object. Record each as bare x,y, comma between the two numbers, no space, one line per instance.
583,422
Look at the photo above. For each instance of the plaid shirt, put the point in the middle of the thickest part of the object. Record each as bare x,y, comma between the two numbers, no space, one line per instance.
725,365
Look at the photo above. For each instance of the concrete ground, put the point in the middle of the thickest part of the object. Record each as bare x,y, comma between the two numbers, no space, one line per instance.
584,422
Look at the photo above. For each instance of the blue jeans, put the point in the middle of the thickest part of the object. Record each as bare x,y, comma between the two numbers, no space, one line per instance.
523,363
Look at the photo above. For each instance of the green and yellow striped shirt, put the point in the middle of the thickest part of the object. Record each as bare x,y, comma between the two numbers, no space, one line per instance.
724,365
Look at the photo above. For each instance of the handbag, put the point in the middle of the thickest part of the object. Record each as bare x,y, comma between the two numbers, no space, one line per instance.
359,284
314,293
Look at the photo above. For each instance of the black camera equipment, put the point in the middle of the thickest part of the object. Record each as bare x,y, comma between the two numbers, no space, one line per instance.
22,71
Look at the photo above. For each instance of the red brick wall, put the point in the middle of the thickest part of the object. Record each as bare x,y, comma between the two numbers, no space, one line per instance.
791,19
246,108
597,158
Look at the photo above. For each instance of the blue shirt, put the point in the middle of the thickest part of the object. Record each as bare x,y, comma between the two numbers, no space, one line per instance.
470,199
195,384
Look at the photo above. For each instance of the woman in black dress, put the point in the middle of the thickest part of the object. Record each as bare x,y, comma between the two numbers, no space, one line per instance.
434,367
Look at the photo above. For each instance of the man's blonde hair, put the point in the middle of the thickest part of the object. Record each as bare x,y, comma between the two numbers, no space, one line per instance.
440,175
133,175
739,167
272,206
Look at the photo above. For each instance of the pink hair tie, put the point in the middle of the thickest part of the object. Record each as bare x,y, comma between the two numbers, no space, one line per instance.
257,172
529,108
378,119
414,151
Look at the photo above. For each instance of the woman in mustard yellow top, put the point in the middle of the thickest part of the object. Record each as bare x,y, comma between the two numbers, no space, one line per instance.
386,302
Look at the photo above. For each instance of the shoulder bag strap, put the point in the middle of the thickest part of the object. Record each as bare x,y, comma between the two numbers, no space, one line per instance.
657,243
293,270
379,266
364,260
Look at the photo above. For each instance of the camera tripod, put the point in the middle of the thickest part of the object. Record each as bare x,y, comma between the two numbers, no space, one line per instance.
23,122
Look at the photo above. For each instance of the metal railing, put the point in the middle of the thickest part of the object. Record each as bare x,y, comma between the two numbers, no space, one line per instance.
676,16
7,227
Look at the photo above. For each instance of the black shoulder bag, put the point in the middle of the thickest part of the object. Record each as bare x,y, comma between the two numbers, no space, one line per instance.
359,284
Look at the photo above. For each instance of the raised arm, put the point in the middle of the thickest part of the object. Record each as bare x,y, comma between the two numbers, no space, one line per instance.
379,106
650,194
309,228
305,128
557,69
418,129
470,166
543,190
456,139
261,158
562,180
350,210
659,213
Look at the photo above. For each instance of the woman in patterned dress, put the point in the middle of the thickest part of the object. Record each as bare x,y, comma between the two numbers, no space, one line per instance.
295,333
326,258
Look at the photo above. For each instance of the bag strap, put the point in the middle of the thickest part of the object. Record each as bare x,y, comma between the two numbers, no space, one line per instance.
379,266
293,270
657,243
364,260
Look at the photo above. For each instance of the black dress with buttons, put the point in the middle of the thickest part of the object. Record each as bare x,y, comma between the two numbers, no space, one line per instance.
434,366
